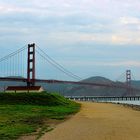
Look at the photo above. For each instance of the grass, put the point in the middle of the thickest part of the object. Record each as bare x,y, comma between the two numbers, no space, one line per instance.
24,113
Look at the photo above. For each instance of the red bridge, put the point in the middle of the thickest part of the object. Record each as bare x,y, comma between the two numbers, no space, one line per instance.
13,65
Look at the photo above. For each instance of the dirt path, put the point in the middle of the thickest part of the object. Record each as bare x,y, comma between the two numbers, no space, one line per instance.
99,121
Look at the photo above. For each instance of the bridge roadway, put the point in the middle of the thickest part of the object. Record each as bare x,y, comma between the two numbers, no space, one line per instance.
66,82
110,85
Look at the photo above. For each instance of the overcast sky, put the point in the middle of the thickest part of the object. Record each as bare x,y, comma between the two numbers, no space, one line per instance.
88,37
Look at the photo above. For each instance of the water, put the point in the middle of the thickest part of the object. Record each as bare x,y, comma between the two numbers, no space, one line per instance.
127,102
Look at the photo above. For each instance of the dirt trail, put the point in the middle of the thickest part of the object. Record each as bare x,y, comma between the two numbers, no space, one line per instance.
99,121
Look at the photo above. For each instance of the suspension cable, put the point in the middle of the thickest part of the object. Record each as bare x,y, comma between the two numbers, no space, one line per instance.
58,65
13,53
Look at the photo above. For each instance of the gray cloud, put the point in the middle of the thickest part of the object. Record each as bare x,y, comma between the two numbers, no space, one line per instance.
88,29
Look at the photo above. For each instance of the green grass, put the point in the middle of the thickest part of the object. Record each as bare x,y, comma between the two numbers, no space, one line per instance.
23,113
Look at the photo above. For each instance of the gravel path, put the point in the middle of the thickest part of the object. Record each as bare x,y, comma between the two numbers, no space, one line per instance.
99,121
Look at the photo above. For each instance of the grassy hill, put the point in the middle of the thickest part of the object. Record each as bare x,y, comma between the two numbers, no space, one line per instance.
23,113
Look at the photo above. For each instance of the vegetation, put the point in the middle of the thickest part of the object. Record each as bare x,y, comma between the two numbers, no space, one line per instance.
22,113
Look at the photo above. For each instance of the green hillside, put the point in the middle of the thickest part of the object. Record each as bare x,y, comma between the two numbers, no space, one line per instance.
23,113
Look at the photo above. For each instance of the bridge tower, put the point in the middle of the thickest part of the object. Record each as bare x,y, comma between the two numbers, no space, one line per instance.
30,74
31,65
128,82
128,78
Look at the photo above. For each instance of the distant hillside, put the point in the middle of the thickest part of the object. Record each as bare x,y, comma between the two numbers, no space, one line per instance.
97,79
136,84
81,90
100,91
93,90
15,77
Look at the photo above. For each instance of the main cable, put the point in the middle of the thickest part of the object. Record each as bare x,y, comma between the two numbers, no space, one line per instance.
58,65
13,53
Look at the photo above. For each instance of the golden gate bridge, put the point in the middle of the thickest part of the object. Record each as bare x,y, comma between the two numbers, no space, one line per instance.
13,67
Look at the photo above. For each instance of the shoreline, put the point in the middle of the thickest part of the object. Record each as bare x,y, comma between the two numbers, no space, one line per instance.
132,106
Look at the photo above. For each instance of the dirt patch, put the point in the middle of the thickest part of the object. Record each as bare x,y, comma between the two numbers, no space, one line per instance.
50,124
99,121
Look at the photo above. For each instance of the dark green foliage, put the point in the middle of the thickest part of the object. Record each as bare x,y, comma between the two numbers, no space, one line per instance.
22,113
43,98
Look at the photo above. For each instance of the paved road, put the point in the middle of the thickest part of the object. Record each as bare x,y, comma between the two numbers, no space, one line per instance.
99,121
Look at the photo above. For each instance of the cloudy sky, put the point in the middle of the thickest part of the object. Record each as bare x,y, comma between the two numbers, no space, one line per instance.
88,37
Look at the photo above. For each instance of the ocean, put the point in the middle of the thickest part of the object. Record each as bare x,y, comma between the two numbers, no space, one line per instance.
127,102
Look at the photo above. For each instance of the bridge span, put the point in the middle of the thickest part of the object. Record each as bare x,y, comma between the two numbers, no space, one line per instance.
13,67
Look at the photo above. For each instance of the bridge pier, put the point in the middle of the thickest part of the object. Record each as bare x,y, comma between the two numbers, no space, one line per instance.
104,99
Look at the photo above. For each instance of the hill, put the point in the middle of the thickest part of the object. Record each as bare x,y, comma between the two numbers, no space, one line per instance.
100,91
97,79
23,113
